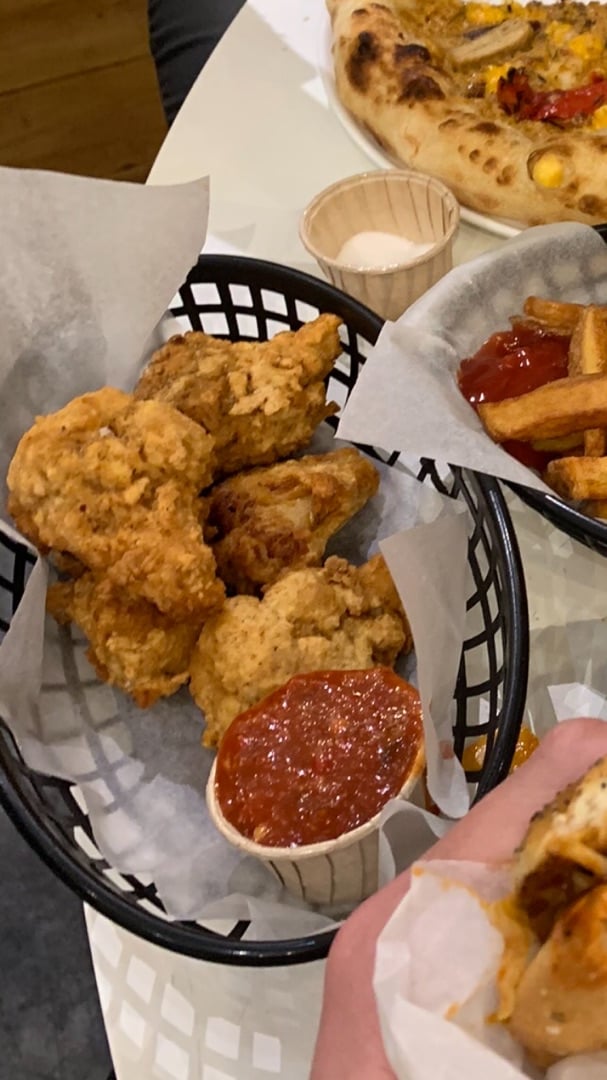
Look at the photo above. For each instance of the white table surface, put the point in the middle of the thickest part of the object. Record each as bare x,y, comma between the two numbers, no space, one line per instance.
258,123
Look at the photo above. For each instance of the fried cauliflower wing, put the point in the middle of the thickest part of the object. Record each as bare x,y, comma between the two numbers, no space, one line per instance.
333,617
132,645
278,518
261,400
113,483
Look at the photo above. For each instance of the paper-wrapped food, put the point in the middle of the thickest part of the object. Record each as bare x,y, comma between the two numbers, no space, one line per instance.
509,965
106,482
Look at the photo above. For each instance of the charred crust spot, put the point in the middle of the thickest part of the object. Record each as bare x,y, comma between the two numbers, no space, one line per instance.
590,204
411,52
360,11
506,176
448,123
365,52
490,164
572,188
486,127
474,155
418,87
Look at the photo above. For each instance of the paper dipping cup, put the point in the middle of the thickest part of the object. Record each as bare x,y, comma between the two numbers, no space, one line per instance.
398,201
343,871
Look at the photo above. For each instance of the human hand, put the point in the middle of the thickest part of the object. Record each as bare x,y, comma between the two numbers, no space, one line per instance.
349,1045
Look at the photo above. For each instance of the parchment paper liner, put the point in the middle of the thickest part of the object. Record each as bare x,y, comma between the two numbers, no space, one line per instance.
417,356
439,953
76,317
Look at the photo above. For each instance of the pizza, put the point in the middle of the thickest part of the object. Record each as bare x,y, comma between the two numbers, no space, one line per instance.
506,104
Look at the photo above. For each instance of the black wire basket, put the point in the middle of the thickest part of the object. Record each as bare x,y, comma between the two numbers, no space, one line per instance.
566,516
247,299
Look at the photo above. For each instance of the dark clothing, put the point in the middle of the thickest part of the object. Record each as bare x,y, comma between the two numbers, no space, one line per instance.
183,34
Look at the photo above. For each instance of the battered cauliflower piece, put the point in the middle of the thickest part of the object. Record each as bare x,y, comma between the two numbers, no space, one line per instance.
113,483
337,617
261,400
270,520
132,645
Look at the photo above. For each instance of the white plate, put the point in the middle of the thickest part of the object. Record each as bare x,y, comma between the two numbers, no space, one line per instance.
373,150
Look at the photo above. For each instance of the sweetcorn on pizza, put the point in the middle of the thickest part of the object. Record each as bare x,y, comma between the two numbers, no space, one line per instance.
506,103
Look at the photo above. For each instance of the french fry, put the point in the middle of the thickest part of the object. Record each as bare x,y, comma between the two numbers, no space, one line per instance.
580,478
588,349
588,356
549,412
553,314
595,442
523,322
597,509
560,446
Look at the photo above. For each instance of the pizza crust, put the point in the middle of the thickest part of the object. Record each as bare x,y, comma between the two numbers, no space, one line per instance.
387,80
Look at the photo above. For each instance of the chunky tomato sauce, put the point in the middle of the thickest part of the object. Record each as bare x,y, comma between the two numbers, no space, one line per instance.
318,757
512,363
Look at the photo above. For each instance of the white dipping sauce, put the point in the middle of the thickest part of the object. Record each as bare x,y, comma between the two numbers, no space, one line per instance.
375,250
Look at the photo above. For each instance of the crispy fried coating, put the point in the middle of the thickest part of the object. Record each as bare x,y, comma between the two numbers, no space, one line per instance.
261,400
270,520
555,315
336,617
580,478
559,1006
562,854
557,408
588,356
114,482
132,645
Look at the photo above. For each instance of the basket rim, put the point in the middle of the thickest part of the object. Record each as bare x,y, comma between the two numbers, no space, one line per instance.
200,942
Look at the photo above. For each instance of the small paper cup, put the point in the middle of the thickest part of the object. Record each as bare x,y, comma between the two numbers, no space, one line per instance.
340,872
398,201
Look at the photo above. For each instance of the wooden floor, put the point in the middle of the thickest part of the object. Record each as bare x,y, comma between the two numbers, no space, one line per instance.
78,89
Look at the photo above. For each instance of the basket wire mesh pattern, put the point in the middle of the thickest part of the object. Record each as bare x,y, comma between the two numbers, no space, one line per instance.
245,299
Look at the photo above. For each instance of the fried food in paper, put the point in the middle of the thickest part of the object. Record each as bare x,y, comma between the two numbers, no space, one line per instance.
553,975
132,645
588,356
561,855
556,315
558,408
335,617
113,483
568,416
270,520
578,478
260,400
596,508
559,1007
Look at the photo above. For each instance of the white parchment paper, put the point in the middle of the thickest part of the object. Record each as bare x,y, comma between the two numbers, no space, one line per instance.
417,357
439,951
112,257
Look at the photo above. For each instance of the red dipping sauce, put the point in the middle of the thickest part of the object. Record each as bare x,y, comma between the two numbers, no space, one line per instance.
509,364
319,756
